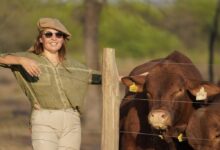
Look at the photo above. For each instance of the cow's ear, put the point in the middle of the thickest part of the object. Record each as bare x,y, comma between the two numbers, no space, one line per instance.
204,90
134,83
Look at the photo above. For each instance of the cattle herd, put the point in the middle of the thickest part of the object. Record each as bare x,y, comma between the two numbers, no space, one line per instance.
168,106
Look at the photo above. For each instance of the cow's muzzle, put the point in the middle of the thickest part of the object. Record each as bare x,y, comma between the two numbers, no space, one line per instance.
159,119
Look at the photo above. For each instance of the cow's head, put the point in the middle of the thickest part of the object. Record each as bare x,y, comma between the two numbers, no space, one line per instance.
203,130
170,96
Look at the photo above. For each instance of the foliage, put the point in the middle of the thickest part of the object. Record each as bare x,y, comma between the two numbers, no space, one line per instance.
19,22
201,12
133,36
134,28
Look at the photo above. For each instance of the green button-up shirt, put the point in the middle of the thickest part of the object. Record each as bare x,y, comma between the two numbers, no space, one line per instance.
57,87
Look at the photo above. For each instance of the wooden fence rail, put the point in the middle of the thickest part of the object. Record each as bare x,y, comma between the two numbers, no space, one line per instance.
111,101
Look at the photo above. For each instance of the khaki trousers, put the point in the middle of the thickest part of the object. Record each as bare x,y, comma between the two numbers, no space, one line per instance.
56,129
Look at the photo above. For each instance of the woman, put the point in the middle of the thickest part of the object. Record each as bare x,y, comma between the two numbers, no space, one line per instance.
55,86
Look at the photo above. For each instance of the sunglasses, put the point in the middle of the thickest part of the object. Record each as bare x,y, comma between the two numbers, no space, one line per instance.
50,34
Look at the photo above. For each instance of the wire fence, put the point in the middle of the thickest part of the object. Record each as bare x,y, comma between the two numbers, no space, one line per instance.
137,99
217,73
170,101
128,132
161,136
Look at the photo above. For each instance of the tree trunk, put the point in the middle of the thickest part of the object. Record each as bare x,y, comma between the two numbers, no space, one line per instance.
91,24
92,117
213,36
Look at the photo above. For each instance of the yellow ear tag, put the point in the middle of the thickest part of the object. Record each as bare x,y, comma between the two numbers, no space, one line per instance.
180,137
201,95
133,88
161,136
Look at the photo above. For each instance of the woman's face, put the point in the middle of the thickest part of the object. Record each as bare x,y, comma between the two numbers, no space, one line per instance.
52,40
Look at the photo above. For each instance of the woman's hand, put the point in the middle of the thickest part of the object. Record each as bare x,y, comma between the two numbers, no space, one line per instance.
30,66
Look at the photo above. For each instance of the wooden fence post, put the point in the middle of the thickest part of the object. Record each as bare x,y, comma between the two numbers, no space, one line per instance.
111,101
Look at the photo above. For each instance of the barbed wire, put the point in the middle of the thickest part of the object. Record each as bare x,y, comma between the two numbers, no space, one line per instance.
3,66
71,77
62,75
207,144
159,135
124,132
179,101
130,132
137,99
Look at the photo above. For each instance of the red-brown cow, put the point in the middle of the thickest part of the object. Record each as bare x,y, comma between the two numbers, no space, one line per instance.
170,86
133,119
203,130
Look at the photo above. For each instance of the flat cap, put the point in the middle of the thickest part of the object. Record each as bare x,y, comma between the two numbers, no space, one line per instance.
52,23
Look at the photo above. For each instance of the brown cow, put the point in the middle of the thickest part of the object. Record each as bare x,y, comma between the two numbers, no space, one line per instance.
170,86
133,121
203,130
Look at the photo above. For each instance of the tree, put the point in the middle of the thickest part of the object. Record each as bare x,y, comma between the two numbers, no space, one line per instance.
213,36
92,11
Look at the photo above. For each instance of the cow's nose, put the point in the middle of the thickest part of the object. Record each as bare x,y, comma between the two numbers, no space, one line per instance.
159,115
159,119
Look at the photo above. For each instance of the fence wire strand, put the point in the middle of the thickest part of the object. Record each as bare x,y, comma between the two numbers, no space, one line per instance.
133,99
179,101
158,135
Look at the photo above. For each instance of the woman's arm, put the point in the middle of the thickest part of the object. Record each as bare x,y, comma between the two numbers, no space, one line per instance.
28,64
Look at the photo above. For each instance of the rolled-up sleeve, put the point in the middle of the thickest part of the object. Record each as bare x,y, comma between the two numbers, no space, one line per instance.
21,54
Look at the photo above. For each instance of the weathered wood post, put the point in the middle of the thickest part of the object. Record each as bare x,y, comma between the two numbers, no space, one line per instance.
111,101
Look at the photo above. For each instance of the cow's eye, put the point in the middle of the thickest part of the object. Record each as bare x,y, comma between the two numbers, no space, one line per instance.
217,135
179,92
